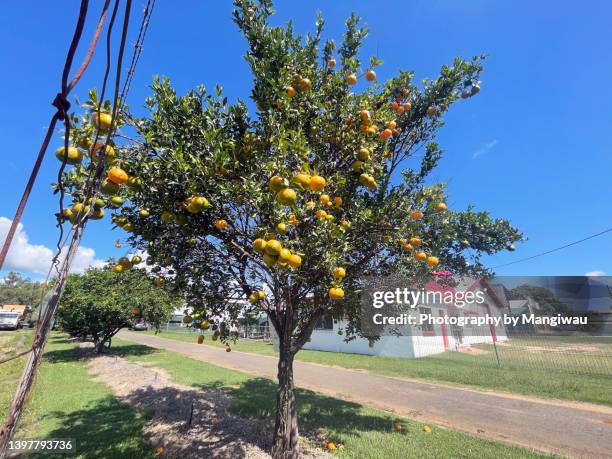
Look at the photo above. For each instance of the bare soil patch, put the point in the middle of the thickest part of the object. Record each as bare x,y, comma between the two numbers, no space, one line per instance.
187,422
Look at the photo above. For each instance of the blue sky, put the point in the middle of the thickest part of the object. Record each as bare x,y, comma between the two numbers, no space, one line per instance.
533,146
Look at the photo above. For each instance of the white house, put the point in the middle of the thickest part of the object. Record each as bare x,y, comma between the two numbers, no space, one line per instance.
426,339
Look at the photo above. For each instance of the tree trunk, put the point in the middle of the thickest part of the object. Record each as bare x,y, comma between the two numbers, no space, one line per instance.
285,443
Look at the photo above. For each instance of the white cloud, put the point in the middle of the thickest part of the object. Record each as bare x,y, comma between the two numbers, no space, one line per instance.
485,148
595,273
36,259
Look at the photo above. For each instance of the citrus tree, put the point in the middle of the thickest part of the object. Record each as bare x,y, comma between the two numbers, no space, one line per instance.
286,209
97,304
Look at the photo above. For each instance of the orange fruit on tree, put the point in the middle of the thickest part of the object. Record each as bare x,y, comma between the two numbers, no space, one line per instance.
324,199
407,247
432,261
391,124
345,224
363,154
301,179
431,110
407,106
293,219
421,256
277,183
385,134
416,215
74,155
253,298
339,272
284,254
269,260
281,228
273,247
320,214
118,268
291,91
441,206
394,106
351,79
364,115
305,84
337,201
331,63
357,165
336,293
117,175
205,325
294,260
259,244
221,224
317,183
415,240
286,196
400,110
370,75
102,122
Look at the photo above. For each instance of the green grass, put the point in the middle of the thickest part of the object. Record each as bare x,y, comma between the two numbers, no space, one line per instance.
11,343
525,370
67,403
364,432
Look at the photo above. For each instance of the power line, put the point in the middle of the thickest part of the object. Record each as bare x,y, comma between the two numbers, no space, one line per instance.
554,250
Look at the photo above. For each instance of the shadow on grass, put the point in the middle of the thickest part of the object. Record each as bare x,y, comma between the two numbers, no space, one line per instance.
105,429
257,397
71,354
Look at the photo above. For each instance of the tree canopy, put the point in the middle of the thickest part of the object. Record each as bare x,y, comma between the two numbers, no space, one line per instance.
97,304
16,289
292,205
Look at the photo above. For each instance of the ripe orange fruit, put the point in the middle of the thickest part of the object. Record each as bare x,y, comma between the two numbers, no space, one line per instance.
339,272
345,224
281,228
261,294
416,215
336,293
320,214
337,201
426,429
294,260
400,110
74,155
286,196
407,106
273,247
305,84
432,261
221,224
324,199
397,426
293,219
407,247
386,134
253,298
284,254
117,175
431,111
391,125
351,79
441,206
331,63
421,256
394,106
370,75
415,241
103,122
205,325
277,183
291,91
136,260
118,268
301,179
317,183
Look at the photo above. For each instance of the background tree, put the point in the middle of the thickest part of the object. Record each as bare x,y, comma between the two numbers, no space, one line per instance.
15,289
97,304
293,206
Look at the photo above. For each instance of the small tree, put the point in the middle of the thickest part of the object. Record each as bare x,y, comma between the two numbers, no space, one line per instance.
15,289
97,304
294,206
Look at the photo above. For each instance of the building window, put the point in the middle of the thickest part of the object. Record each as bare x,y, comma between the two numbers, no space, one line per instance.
326,322
426,327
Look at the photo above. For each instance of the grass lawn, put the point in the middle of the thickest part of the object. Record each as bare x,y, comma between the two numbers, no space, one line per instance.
364,432
11,343
66,403
530,367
